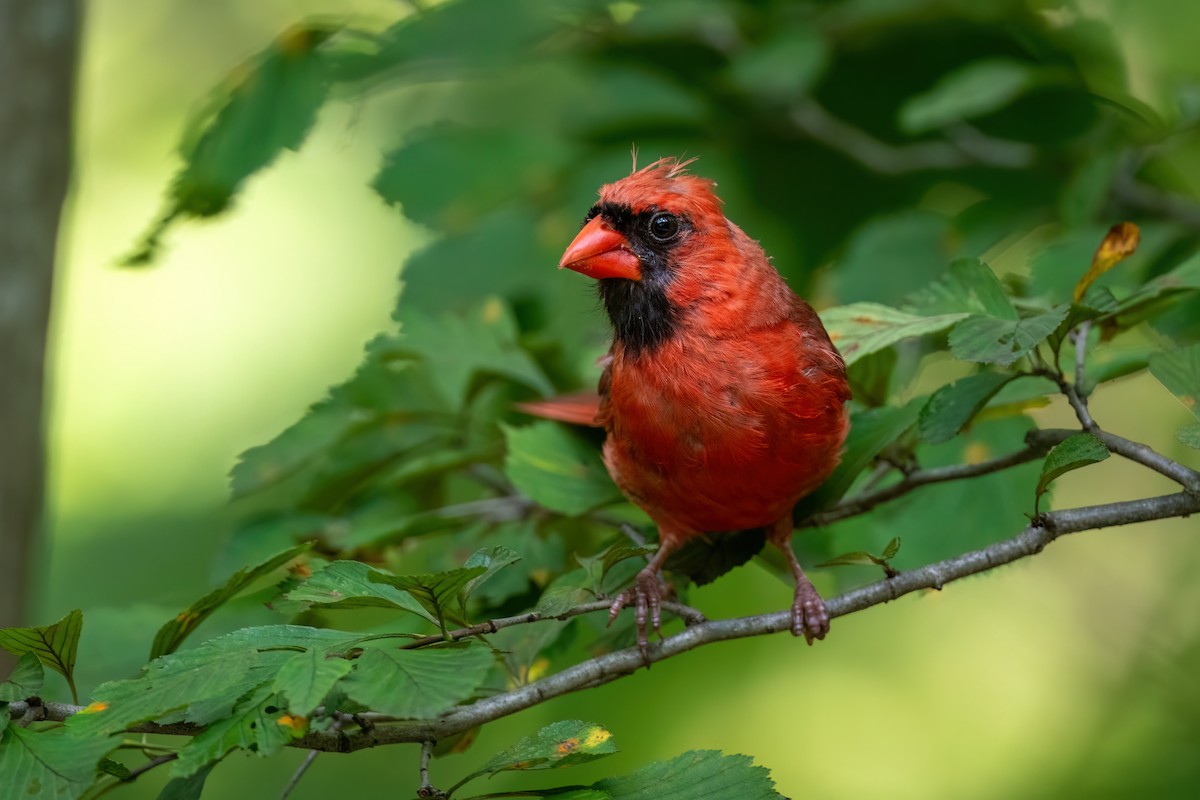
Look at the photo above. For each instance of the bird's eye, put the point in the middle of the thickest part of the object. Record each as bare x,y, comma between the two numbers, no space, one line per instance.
664,227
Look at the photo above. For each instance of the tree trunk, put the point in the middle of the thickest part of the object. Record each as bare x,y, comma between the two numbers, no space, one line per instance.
38,47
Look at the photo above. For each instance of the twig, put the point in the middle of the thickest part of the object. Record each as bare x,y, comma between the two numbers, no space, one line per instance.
609,667
970,147
157,761
427,789
1081,337
299,773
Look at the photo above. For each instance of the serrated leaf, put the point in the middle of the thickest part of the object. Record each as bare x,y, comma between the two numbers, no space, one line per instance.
871,431
621,552
441,593
417,684
974,90
25,681
560,744
265,106
1070,454
54,645
990,340
1179,371
493,560
189,788
480,342
254,725
565,592
50,764
1189,435
952,407
968,286
202,684
860,329
556,469
348,584
1120,241
306,678
114,768
706,774
172,634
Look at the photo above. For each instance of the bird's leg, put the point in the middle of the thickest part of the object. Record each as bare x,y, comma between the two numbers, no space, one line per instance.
645,596
810,619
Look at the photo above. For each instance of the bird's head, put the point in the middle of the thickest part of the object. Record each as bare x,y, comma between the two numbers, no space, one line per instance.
651,239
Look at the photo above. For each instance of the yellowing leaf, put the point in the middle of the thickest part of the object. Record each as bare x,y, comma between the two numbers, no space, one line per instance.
1119,243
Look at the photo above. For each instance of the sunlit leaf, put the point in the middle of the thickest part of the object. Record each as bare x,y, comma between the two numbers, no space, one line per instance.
974,90
1120,241
417,684
348,584
951,408
51,764
991,340
305,678
969,285
860,329
1070,454
698,773
24,682
556,469
54,645
172,634
1179,371
560,744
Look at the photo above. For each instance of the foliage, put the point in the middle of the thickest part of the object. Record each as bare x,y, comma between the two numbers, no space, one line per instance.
418,509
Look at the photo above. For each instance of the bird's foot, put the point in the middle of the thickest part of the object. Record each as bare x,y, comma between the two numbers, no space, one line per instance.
810,619
646,596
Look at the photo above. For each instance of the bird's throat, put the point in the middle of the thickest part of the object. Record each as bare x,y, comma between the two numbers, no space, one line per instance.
642,316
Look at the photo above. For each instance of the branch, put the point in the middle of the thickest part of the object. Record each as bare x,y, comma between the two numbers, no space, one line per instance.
609,667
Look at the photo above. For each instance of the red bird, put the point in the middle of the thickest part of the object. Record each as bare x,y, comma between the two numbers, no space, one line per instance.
722,397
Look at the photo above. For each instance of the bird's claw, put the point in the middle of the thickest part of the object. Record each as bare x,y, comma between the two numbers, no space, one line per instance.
646,598
810,619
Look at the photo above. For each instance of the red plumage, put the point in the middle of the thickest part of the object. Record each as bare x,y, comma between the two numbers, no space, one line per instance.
723,398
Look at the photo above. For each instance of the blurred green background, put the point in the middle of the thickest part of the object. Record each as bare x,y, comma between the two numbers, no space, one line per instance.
1072,671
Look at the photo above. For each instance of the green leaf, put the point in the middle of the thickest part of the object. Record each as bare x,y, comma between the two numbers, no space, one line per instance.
441,594
306,678
189,788
417,684
892,547
706,774
565,592
1179,371
349,584
50,764
857,558
114,768
891,255
952,407
703,559
1070,454
560,744
860,329
871,431
991,340
783,67
202,684
54,645
557,469
256,725
481,342
974,90
493,560
1189,435
619,552
969,285
264,107
172,634
24,682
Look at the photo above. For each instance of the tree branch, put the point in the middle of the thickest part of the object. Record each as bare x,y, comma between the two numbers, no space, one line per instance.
609,667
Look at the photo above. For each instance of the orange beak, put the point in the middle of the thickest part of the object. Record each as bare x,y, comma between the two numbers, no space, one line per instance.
600,252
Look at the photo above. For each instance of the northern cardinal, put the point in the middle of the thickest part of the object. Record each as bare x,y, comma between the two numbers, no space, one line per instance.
722,397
